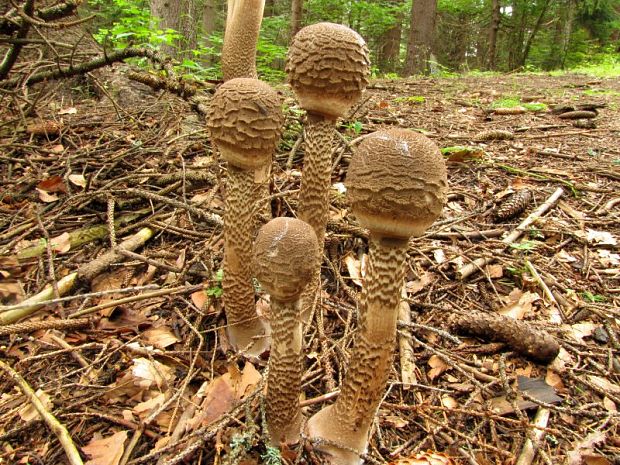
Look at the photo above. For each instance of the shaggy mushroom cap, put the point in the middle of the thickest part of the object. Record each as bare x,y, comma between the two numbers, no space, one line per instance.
397,183
328,68
245,122
285,252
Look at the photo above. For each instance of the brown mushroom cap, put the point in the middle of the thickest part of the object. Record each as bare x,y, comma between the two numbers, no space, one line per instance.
245,122
397,183
328,68
285,252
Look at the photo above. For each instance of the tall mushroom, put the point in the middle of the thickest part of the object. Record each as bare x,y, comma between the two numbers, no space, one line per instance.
285,252
396,184
328,69
241,37
245,123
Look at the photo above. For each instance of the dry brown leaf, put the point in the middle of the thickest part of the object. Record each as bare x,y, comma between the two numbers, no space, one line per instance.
199,298
356,268
449,401
609,405
438,366
106,451
519,304
581,330
53,184
594,459
394,421
585,447
62,243
45,197
600,237
425,458
78,179
555,381
28,412
495,271
413,287
161,337
144,409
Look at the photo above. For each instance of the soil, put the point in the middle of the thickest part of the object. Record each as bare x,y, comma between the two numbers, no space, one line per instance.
149,352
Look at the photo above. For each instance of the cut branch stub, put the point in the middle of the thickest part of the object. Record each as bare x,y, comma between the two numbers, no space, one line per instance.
245,122
328,69
397,186
285,251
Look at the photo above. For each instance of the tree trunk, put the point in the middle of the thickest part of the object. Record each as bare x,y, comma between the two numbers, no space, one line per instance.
493,30
421,32
296,16
168,12
209,26
389,43
535,30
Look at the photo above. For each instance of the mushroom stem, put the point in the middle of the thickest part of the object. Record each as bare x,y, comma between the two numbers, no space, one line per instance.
314,193
240,38
282,410
347,421
245,329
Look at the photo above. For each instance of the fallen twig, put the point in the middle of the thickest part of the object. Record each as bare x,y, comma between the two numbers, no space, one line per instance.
57,428
477,264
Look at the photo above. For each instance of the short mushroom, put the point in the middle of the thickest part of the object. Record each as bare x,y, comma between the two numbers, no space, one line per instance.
328,69
241,37
396,184
245,122
285,251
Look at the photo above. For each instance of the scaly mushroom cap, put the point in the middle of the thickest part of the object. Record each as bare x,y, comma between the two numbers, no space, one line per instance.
245,122
285,252
397,183
328,68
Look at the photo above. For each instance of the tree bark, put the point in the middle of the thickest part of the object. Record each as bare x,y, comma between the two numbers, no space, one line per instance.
297,8
421,33
179,15
389,43
493,32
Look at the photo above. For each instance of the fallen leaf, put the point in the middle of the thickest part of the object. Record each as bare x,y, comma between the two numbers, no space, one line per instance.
161,337
609,405
53,184
77,179
424,458
519,304
600,237
62,243
67,111
394,421
565,257
356,268
144,409
413,287
495,271
28,412
439,255
593,459
45,197
106,451
581,330
554,380
608,259
449,401
438,366
585,447
199,298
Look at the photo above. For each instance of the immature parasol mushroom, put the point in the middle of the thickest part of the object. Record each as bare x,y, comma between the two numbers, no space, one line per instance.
245,122
241,37
285,252
328,69
397,186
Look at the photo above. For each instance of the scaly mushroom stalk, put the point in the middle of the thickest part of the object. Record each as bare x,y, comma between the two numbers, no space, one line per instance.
245,122
285,251
397,185
241,37
328,69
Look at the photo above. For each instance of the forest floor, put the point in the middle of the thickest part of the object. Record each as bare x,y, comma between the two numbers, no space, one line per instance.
136,363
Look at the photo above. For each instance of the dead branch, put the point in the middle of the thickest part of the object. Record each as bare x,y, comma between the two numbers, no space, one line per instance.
57,428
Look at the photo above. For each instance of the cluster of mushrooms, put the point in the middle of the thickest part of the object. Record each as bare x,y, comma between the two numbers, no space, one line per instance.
396,185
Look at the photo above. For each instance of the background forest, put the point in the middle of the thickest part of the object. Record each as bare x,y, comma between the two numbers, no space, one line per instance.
404,37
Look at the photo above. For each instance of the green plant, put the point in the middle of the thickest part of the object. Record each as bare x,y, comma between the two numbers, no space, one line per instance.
535,106
411,99
525,245
130,23
355,126
593,297
216,290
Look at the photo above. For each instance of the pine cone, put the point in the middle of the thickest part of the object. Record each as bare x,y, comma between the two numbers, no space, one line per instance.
494,134
514,205
581,114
